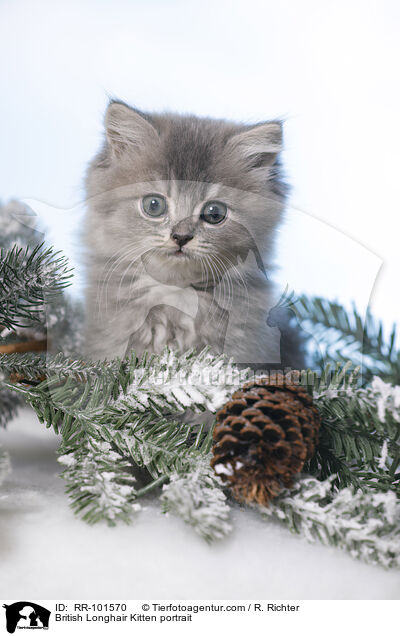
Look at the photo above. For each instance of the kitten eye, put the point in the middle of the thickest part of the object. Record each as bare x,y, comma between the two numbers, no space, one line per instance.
154,205
214,212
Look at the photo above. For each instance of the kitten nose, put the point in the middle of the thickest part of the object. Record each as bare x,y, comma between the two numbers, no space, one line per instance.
182,239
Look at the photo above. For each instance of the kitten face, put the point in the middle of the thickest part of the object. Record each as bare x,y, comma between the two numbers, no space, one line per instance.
185,197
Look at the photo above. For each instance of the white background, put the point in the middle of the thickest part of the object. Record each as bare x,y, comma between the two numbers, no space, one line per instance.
330,69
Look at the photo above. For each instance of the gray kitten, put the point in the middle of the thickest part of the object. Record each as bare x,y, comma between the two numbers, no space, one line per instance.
182,214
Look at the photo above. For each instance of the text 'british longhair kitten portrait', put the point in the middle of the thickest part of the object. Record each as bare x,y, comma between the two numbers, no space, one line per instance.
182,216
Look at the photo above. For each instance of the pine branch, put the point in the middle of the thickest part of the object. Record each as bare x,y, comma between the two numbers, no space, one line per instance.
9,405
175,382
99,482
366,524
346,336
157,385
27,277
129,408
101,464
198,498
360,435
162,446
119,421
57,367
325,463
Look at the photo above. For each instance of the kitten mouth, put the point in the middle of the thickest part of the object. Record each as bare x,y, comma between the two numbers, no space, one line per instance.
180,253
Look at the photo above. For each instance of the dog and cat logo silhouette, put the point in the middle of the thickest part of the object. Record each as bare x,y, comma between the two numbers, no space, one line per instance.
26,615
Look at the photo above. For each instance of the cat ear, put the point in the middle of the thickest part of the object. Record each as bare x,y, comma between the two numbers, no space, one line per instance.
127,128
259,145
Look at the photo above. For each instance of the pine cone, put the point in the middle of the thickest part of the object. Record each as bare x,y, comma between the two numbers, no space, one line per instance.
263,436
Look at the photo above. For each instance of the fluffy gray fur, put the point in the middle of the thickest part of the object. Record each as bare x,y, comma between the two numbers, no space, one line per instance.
144,292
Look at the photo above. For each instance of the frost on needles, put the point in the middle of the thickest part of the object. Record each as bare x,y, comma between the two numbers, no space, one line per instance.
366,524
123,439
123,434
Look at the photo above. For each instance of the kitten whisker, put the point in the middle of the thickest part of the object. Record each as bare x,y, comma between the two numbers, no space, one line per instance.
135,264
241,280
102,289
214,302
129,253
205,268
228,290
101,285
138,262
222,285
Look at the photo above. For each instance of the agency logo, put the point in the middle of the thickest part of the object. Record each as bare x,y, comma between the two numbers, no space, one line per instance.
26,615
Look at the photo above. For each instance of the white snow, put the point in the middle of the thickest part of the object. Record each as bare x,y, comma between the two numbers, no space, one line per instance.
387,398
383,457
67,460
222,469
46,552
207,381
